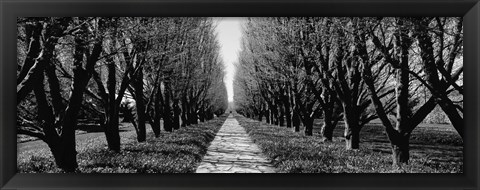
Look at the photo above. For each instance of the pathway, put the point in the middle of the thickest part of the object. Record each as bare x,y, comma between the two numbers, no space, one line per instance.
232,151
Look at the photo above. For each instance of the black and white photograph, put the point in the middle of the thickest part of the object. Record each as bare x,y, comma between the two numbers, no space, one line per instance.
240,95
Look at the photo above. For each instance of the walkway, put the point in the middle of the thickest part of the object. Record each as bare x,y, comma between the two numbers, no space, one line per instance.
232,151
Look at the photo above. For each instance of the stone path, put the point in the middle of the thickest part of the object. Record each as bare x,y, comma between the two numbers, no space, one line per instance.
232,151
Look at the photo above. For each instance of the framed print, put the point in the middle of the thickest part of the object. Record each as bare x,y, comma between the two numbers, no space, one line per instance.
310,94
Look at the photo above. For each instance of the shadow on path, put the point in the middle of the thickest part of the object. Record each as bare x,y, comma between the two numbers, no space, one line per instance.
232,151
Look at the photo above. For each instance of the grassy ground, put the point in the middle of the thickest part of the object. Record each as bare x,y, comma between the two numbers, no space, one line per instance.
434,149
176,152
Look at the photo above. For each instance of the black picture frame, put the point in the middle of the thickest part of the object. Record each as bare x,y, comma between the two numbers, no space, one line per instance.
10,9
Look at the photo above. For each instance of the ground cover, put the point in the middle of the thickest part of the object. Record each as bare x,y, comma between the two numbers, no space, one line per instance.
434,149
173,152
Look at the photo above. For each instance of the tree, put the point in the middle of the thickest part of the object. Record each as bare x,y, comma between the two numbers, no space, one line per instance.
447,32
398,55
135,60
57,125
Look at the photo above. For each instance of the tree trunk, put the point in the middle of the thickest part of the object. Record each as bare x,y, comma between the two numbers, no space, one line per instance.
176,115
80,81
281,117
352,132
184,113
451,111
328,125
201,114
142,132
192,117
296,121
261,113
398,136
111,110
209,114
272,115
68,155
288,116
112,132
156,126
47,119
27,85
33,33
327,131
400,149
167,115
189,114
399,141
352,138
276,116
267,114
308,123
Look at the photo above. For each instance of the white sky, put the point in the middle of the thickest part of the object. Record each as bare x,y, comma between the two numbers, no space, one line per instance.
229,34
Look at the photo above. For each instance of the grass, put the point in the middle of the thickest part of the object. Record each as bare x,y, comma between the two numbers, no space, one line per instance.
25,138
173,152
434,149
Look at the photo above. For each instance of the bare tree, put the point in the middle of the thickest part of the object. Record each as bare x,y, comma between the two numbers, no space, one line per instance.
58,125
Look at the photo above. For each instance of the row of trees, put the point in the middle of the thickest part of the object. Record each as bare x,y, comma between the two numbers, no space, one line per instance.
397,70
89,68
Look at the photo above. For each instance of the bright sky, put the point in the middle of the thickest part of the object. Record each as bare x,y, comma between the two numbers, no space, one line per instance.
229,34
